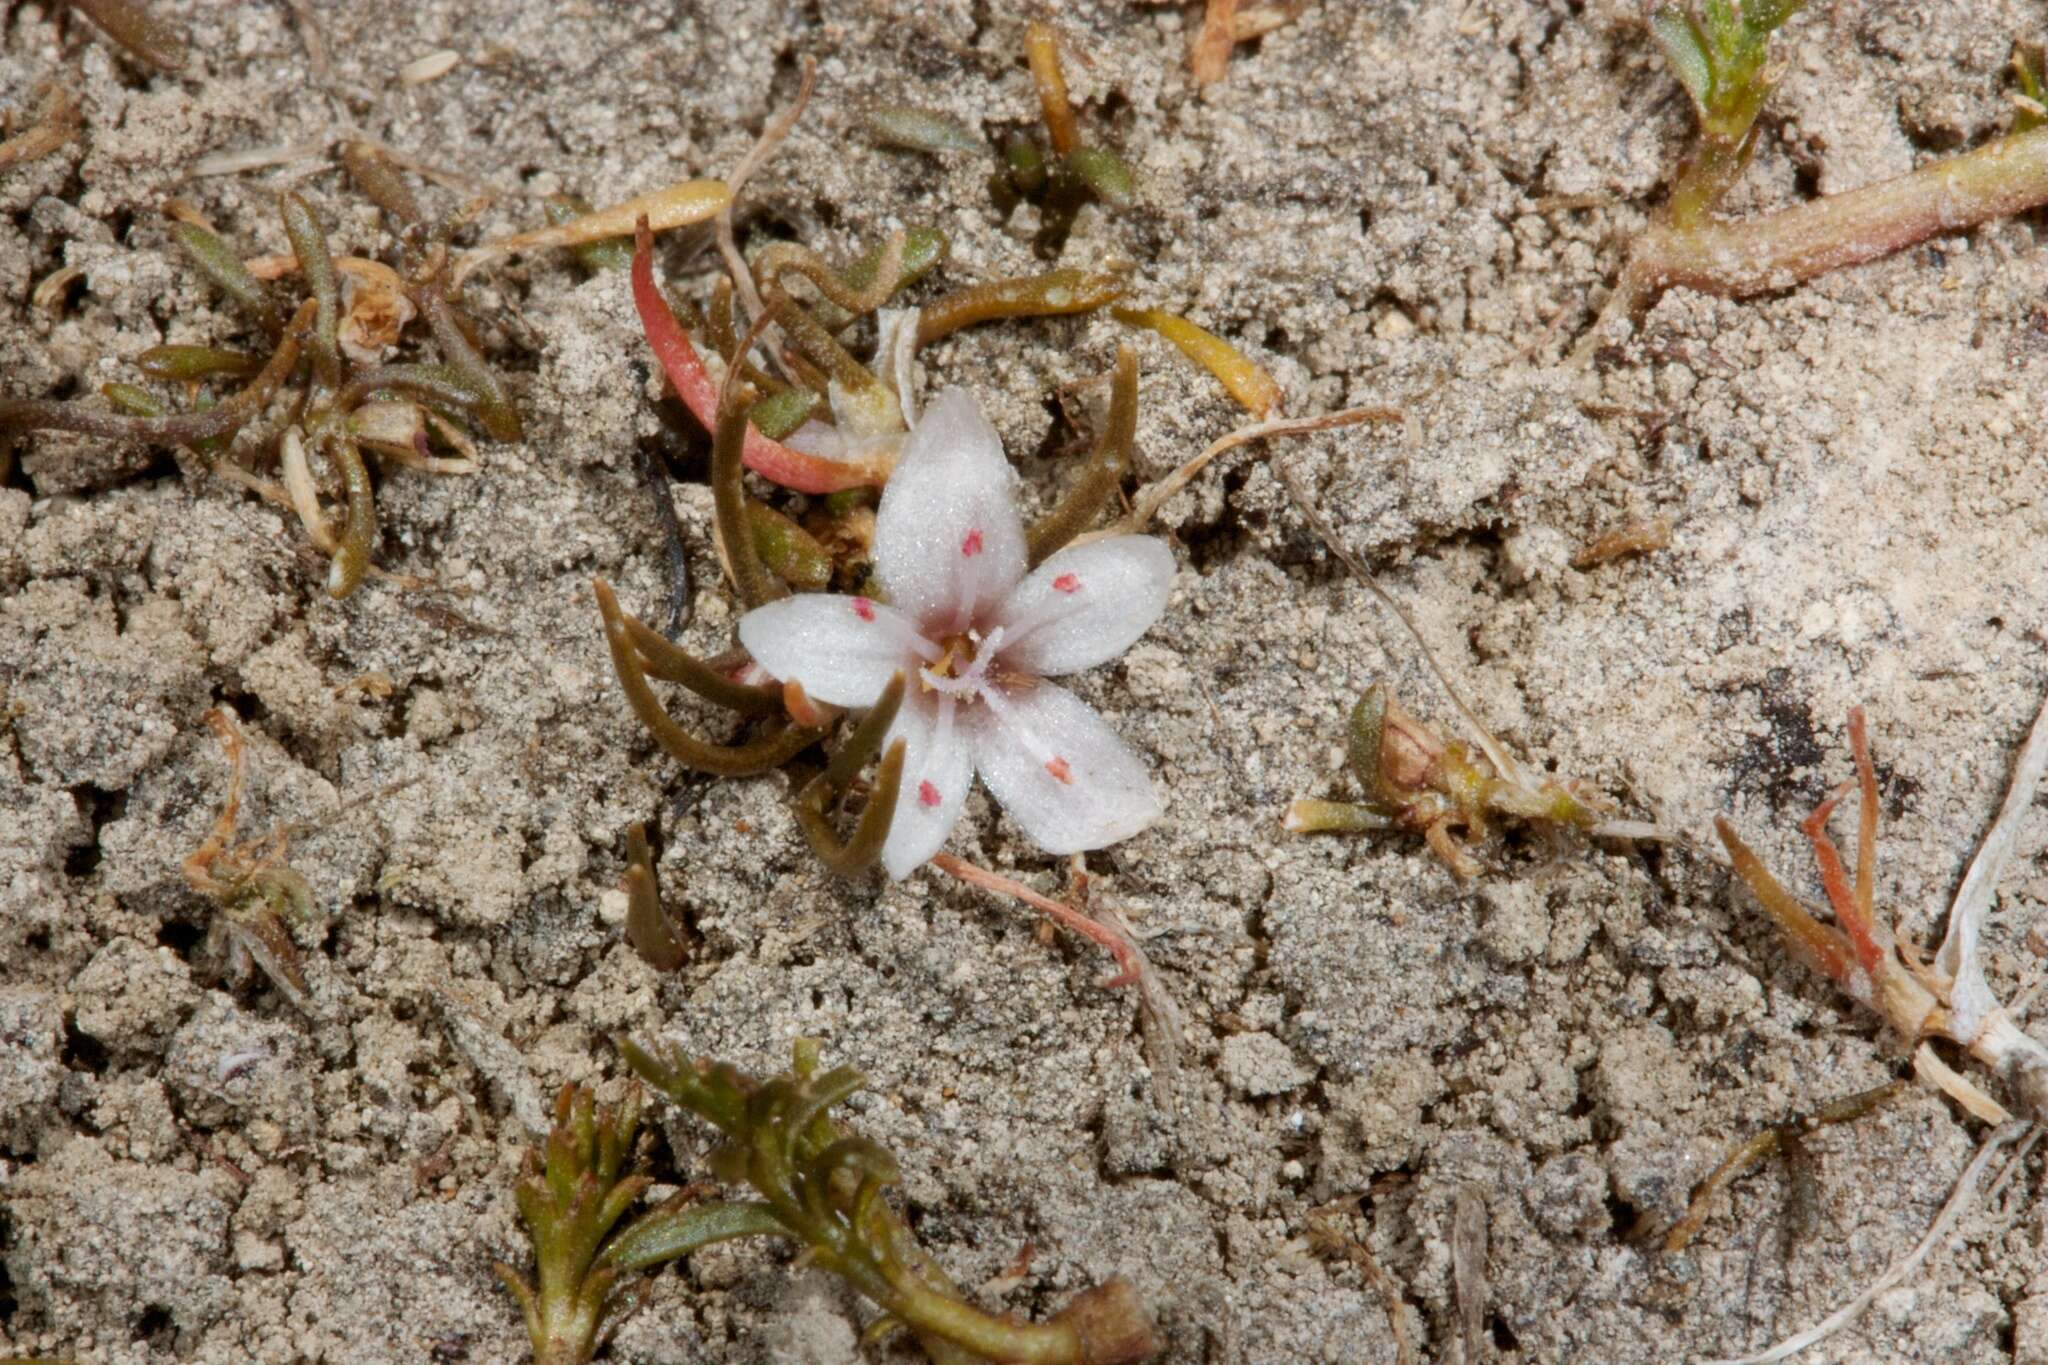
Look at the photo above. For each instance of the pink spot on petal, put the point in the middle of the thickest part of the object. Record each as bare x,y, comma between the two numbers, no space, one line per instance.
864,609
1067,582
1059,769
970,545
927,793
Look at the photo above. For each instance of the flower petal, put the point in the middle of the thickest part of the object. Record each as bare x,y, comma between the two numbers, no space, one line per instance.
1063,775
1085,605
938,767
948,541
843,650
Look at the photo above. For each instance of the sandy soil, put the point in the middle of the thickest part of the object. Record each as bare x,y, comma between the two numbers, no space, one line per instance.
1408,204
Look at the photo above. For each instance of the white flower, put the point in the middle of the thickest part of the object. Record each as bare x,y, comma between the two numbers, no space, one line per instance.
975,635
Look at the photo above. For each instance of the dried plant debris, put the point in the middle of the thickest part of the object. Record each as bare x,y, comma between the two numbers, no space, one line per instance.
827,1191
54,122
256,897
1720,52
1226,24
1636,538
1780,1139
1946,999
140,32
341,354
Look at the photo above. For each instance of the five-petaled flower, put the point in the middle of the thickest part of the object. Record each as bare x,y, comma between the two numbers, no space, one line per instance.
976,631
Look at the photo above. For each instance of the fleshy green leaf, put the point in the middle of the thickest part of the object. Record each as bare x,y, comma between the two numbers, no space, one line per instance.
666,1234
1685,47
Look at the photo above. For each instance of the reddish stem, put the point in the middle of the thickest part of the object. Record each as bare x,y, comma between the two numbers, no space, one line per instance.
1834,878
693,384
1826,948
1130,964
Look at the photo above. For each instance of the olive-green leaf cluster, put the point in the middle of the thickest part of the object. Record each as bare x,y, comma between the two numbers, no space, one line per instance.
825,1189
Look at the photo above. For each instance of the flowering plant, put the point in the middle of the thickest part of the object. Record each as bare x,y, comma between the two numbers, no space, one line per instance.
977,630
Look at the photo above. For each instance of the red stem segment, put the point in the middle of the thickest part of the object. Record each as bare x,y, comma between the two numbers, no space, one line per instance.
694,385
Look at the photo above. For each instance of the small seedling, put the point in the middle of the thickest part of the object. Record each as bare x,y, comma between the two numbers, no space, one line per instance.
826,1190
1721,56
1059,176
1065,173
571,1195
1720,53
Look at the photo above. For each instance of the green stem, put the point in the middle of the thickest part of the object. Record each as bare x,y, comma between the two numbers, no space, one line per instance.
928,1312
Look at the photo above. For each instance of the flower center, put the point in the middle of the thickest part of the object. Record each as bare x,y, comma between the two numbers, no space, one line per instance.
962,668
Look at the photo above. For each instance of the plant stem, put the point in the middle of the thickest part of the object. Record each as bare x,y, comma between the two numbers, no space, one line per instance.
1779,250
927,1311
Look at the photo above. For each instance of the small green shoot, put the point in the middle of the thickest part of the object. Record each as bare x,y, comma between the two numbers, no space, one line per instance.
1066,173
571,1195
1720,55
2030,99
660,941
